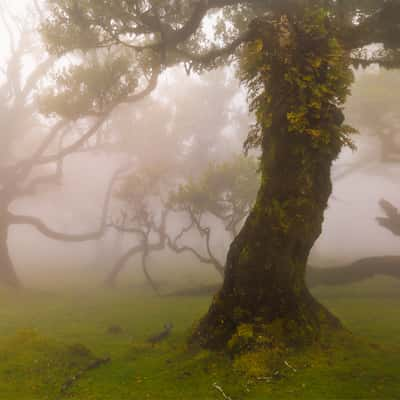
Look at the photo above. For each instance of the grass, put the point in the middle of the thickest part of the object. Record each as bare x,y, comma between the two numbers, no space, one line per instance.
47,338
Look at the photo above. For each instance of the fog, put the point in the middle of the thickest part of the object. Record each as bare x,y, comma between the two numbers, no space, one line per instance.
188,122
199,199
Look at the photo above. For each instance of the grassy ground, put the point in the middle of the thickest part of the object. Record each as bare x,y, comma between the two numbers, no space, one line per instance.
48,338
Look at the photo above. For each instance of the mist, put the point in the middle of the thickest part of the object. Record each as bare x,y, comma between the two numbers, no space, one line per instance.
138,160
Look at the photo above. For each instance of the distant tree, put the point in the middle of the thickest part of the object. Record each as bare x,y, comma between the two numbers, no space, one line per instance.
224,195
172,120
296,64
33,148
143,215
226,192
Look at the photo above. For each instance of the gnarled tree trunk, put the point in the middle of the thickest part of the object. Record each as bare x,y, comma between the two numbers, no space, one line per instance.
264,284
266,263
8,275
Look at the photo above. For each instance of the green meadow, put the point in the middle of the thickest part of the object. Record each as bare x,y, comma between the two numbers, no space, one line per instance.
49,338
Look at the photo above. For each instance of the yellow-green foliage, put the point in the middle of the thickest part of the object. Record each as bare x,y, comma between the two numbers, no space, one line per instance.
224,189
257,350
91,88
242,339
257,336
316,74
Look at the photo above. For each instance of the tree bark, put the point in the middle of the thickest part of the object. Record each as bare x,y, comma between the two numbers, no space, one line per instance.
8,276
264,283
266,263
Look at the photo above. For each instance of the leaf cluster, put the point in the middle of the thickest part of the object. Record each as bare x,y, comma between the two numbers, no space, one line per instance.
90,88
226,190
314,69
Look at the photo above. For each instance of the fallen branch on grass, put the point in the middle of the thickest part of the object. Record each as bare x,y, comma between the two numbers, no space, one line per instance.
92,365
289,366
219,388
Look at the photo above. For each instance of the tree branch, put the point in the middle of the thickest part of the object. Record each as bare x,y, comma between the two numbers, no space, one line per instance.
354,272
392,219
120,265
45,230
213,54
211,259
152,83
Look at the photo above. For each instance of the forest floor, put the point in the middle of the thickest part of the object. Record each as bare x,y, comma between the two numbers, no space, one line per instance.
48,338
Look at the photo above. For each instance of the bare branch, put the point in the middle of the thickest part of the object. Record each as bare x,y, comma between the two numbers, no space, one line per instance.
45,230
145,256
23,168
187,249
111,278
42,228
392,219
36,75
8,29
211,259
213,54
145,247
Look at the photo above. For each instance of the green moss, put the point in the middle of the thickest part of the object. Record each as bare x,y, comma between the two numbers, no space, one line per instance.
279,216
244,257
242,339
316,81
256,364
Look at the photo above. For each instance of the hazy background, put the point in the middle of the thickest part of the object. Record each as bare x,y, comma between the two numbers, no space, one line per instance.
187,123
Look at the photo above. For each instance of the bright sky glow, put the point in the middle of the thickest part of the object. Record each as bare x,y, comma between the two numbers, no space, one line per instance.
18,9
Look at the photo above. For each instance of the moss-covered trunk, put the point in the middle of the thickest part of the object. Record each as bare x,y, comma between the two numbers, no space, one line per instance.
8,276
264,289
265,270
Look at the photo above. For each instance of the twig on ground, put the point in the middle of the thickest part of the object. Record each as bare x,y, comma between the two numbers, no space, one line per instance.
264,378
289,366
219,388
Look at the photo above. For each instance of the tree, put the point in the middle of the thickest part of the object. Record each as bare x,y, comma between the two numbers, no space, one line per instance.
140,217
185,145
226,192
25,168
171,119
296,63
